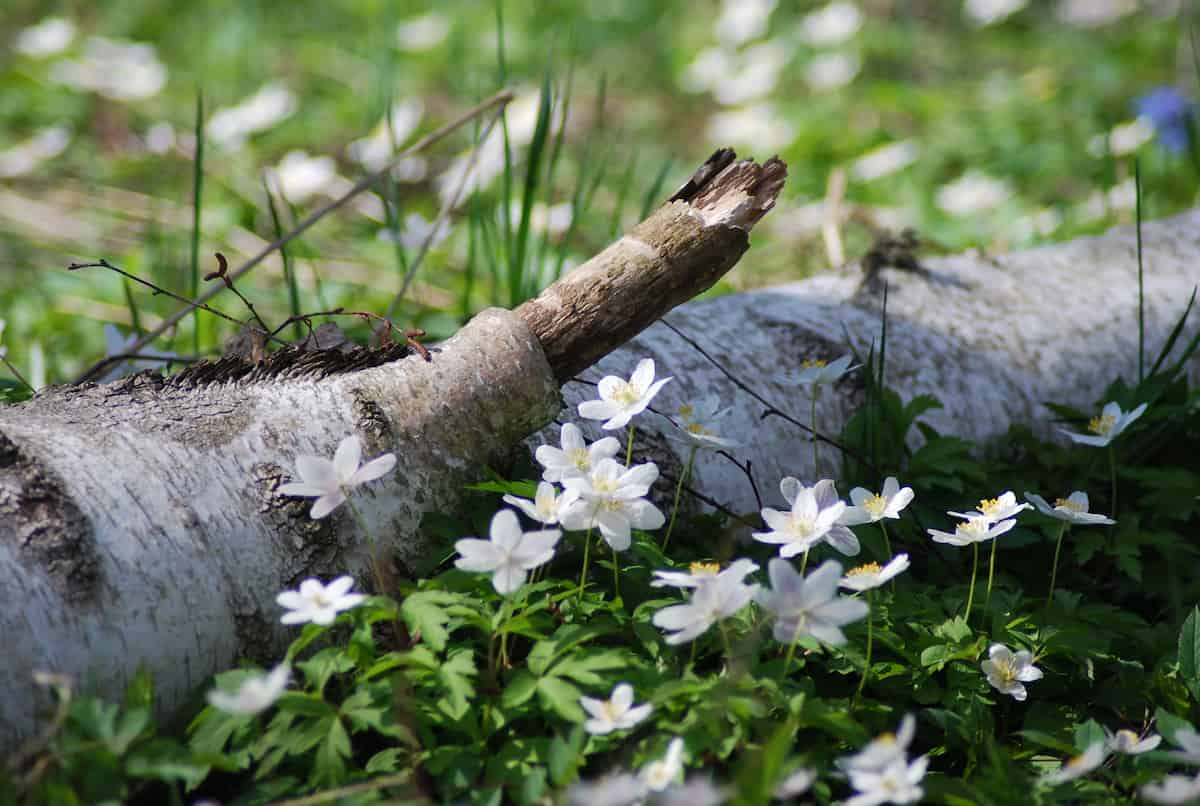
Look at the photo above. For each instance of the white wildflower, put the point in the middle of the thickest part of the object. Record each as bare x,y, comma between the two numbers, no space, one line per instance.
257,692
869,507
1073,509
509,554
1106,427
616,713
546,504
714,599
869,576
330,482
658,775
620,400
1006,671
973,530
317,603
611,498
1078,766
809,605
575,457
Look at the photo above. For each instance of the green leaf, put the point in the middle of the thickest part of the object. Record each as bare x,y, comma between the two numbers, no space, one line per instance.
561,697
1189,652
564,639
584,669
324,665
455,674
519,690
389,760
564,757
330,767
426,616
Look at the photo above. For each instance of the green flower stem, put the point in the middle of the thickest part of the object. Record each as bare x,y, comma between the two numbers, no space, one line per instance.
629,449
887,544
815,442
1112,473
971,589
987,599
787,661
687,471
587,544
1062,530
380,586
506,605
616,577
870,636
804,562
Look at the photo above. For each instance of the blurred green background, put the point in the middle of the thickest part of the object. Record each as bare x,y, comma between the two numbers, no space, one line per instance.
994,124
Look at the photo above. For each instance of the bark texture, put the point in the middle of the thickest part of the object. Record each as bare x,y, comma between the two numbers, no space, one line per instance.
141,524
993,338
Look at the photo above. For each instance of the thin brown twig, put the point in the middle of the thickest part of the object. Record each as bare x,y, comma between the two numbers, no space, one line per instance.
501,98
222,273
16,372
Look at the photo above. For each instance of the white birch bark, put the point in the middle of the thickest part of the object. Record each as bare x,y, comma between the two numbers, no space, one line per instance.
992,337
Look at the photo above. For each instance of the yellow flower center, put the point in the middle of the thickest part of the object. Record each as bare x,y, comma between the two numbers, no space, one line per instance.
973,528
1102,424
699,569
626,393
605,485
698,429
876,505
802,527
812,363
989,506
1067,503
579,457
869,568
685,411
1007,671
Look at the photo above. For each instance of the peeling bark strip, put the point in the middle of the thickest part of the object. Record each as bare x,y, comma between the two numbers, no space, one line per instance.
139,521
678,252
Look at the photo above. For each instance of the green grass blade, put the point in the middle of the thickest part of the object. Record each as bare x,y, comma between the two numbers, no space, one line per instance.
289,269
651,199
197,204
519,284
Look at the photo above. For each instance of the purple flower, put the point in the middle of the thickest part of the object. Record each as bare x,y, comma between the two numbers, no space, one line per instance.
1169,110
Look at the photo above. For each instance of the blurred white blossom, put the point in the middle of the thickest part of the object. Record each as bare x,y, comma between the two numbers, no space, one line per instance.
831,71
1172,789
422,33
50,36
1094,13
1077,766
24,157
229,127
884,160
115,68
809,606
621,400
330,481
257,692
972,193
376,149
831,25
616,713
658,775
987,12
1073,509
299,176
743,20
757,124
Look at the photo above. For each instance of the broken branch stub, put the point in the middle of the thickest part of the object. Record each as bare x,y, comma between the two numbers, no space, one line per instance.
679,251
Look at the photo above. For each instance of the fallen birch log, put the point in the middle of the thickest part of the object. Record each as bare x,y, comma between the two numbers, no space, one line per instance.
993,338
141,524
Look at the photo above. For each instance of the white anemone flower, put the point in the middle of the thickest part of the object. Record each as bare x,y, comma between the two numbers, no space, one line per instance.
1073,509
699,573
575,457
714,599
1000,508
622,400
1107,426
795,784
318,603
1129,743
329,482
614,789
1172,789
1079,765
50,36
1189,740
697,790
256,693
696,425
546,504
611,498
869,576
831,25
899,782
973,530
1007,671
658,775
814,515
616,713
816,372
509,554
884,750
809,606
869,507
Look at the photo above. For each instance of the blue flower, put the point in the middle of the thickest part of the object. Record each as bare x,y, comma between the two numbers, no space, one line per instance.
1169,111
